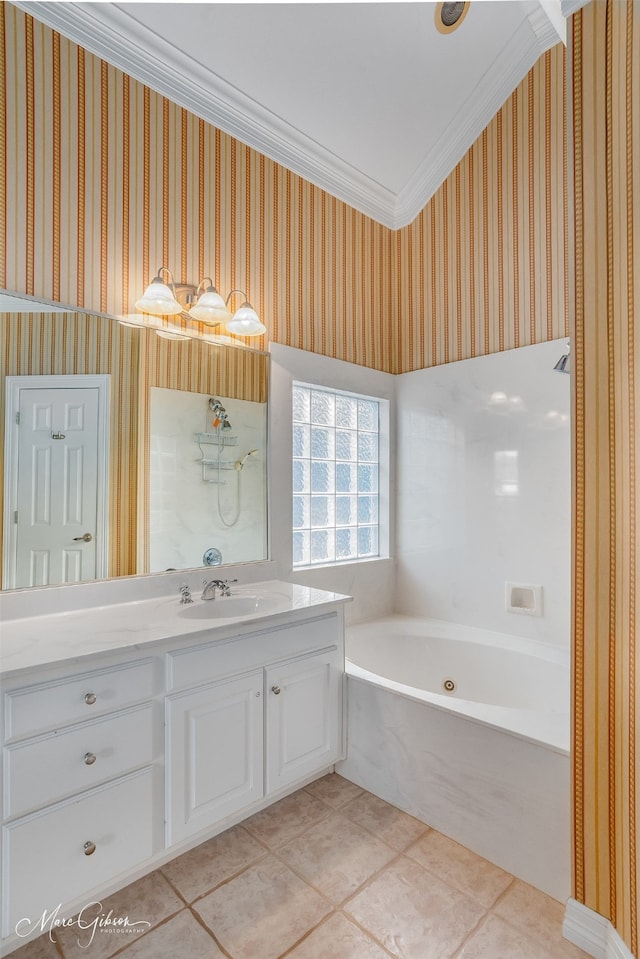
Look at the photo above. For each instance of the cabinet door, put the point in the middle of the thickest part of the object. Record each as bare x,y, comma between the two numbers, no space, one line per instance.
214,749
303,717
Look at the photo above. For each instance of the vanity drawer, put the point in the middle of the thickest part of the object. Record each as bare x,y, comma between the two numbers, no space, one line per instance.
45,859
200,664
47,705
43,770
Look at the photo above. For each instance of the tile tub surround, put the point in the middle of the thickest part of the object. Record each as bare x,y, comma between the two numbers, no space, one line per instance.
483,478
503,796
407,892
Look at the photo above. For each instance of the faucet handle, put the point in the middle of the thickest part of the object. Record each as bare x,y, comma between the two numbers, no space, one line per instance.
185,595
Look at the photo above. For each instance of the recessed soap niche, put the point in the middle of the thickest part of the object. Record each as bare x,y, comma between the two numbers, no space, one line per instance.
524,598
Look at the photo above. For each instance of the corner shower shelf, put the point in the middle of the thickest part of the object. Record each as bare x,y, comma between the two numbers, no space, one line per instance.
214,465
214,439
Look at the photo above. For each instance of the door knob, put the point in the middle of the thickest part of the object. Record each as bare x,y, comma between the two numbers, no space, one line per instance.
84,539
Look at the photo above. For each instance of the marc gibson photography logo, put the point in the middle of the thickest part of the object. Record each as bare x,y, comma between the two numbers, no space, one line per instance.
90,920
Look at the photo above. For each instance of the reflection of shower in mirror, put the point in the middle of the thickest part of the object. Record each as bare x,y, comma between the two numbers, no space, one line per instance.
220,425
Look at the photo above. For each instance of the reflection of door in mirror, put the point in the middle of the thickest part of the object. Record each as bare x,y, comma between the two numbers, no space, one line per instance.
207,479
55,482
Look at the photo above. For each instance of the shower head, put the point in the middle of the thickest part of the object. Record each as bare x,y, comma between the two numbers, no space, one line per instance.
563,365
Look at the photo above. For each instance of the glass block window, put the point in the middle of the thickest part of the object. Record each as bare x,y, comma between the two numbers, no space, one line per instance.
336,441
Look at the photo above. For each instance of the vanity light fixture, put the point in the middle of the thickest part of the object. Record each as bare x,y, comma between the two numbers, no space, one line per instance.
208,306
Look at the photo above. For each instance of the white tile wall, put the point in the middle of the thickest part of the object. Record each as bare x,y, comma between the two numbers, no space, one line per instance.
483,490
184,518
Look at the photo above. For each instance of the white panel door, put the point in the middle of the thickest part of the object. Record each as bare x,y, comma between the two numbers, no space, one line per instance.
303,717
57,486
215,749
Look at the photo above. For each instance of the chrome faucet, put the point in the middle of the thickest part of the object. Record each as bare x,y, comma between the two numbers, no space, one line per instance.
185,595
209,591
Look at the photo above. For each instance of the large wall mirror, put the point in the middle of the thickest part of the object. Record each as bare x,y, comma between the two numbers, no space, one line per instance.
124,452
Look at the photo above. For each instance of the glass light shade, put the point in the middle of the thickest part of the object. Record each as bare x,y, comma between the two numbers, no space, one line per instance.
136,320
170,335
158,298
210,309
246,322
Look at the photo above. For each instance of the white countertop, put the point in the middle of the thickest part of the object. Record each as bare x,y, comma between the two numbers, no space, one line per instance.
56,637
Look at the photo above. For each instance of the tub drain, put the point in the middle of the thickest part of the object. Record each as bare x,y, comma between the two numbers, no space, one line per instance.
449,686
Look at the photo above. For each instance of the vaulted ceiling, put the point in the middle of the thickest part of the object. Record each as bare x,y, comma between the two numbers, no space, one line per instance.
369,101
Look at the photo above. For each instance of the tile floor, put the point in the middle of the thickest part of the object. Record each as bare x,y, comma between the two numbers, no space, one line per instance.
330,872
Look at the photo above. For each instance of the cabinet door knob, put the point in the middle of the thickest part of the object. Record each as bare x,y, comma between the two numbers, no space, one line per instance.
275,690
89,759
89,848
90,699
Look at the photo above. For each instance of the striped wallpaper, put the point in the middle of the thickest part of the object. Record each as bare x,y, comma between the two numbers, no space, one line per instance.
38,344
604,53
483,267
105,180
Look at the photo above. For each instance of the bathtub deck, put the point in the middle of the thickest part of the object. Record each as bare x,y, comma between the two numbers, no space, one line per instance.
330,872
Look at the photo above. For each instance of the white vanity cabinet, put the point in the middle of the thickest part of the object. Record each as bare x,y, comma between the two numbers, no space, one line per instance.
79,750
109,771
270,716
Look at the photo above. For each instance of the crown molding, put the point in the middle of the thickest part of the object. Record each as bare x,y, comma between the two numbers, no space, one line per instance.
569,7
108,32
533,37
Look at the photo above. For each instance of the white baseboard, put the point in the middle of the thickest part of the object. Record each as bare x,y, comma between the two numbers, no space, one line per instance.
593,933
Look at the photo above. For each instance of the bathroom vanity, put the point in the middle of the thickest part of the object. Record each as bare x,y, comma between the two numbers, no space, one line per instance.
131,733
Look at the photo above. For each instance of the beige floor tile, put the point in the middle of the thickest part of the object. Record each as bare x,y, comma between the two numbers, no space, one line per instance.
385,821
263,911
334,790
413,914
286,819
539,917
202,869
40,948
149,900
337,938
460,867
496,939
182,936
336,856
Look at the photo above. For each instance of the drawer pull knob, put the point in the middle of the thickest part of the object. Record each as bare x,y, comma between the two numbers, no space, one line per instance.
90,699
89,759
275,690
89,848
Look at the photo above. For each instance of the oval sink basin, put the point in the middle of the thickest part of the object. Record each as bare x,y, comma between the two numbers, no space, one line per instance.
223,607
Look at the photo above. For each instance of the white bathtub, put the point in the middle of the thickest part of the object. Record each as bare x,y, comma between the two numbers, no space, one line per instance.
486,763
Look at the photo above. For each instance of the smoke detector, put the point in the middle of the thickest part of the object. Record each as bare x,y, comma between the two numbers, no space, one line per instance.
449,16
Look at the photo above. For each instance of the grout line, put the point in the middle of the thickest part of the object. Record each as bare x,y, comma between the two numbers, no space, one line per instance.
201,922
172,886
481,921
298,942
368,933
503,894
228,879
